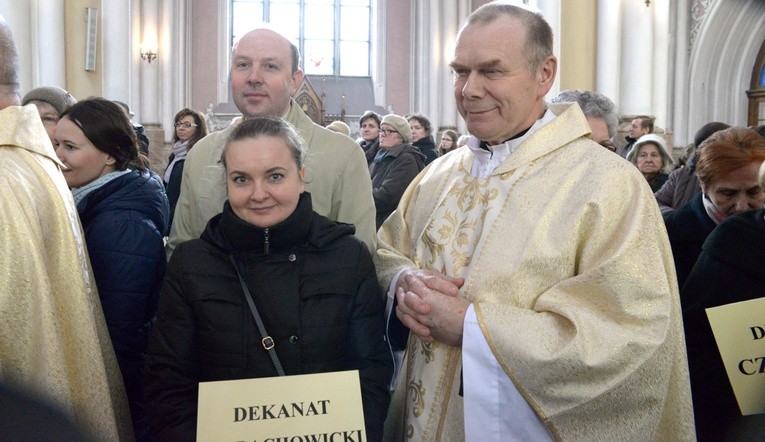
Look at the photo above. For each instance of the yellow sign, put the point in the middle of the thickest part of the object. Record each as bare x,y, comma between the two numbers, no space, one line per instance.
323,407
739,331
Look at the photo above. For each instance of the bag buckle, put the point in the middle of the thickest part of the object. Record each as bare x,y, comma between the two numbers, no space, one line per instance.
268,343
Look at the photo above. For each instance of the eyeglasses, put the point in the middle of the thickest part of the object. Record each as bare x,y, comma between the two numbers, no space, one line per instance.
185,125
387,132
608,144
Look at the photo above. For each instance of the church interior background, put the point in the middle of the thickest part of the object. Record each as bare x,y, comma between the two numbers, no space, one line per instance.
685,62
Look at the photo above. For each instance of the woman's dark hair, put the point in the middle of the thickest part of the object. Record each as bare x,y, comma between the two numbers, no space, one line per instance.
105,125
423,120
267,127
199,120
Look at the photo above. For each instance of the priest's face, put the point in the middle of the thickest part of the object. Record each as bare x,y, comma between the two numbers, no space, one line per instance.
497,93
263,180
83,161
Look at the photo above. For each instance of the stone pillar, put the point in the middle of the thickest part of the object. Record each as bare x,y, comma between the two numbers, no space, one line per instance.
636,70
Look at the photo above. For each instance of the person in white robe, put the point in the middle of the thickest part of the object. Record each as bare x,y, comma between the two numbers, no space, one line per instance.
532,268
54,344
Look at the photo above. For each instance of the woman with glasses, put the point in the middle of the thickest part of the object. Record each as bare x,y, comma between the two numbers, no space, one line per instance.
190,127
448,142
395,165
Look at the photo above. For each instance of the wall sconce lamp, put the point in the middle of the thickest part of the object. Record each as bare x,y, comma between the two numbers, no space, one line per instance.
149,56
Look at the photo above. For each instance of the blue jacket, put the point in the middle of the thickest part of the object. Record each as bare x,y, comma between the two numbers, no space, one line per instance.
125,221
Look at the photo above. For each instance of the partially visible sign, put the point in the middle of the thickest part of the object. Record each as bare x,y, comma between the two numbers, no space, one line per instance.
323,407
739,330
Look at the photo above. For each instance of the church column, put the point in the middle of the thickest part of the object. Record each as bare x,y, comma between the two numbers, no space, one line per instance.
551,12
48,61
150,91
607,74
636,70
660,68
117,50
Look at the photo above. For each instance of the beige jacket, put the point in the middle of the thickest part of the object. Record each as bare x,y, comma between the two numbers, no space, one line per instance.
336,176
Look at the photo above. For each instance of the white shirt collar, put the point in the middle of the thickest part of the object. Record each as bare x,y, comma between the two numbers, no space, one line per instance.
487,160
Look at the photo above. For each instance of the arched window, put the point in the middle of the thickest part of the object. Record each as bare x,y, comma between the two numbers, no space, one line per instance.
333,35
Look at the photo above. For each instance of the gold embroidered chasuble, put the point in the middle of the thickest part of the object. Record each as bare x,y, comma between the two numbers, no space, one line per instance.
53,337
566,261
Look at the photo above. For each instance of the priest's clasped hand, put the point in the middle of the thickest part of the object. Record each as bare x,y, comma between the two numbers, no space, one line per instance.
430,306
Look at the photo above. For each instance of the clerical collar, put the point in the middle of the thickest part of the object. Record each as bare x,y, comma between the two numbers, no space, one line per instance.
485,146
487,158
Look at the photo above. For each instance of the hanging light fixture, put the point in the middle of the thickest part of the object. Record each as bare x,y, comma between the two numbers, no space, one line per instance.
647,3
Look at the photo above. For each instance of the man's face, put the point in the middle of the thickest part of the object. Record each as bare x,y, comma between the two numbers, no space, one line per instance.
636,128
496,93
262,81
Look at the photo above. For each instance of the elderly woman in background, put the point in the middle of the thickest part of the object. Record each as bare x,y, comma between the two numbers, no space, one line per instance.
51,102
650,155
730,269
600,112
312,281
727,169
394,167
422,137
448,142
190,127
124,214
369,129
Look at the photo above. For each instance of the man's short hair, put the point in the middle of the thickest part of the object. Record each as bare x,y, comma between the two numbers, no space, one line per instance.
594,105
9,60
539,36
646,122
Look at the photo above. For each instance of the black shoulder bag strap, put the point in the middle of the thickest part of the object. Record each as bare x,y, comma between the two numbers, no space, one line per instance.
267,341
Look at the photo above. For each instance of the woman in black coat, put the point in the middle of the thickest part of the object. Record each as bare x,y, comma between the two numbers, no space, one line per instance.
730,269
312,281
727,170
422,136
394,167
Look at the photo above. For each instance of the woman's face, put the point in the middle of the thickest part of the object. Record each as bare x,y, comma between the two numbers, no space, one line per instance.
263,180
649,160
49,116
389,137
447,143
369,129
185,128
84,162
418,131
738,191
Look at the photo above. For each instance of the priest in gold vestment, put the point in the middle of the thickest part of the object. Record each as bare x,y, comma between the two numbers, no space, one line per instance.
53,337
532,268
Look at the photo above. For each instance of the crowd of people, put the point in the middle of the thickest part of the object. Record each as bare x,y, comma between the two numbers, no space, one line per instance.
508,283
